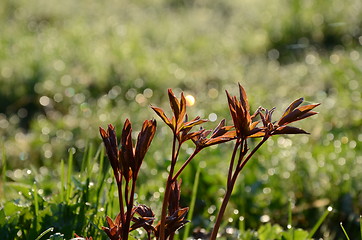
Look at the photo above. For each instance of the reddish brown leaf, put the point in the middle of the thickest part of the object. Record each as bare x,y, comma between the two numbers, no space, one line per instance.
194,122
292,106
220,134
288,130
240,113
297,114
218,140
257,134
174,222
174,103
307,114
144,140
182,111
110,143
103,133
188,136
244,98
145,220
127,154
110,222
254,124
174,199
144,211
162,115
220,125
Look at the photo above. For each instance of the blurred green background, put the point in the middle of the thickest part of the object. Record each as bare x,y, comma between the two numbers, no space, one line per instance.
68,67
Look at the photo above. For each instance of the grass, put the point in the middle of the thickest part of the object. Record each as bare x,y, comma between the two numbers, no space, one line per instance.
68,68
82,215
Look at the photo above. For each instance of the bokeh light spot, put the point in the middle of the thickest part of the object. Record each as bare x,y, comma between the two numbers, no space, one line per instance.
44,101
140,99
213,93
265,218
190,100
59,65
148,93
212,117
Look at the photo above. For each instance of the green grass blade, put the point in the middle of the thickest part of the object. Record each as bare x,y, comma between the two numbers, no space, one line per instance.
36,207
51,229
319,222
100,156
89,159
344,230
360,224
100,152
192,203
290,213
3,170
69,176
3,156
290,219
101,175
62,174
84,160
241,224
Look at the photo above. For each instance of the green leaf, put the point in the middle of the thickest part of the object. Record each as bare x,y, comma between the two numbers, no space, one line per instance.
268,231
295,234
21,188
11,208
2,217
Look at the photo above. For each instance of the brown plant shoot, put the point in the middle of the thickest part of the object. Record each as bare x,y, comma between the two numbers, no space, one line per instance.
127,159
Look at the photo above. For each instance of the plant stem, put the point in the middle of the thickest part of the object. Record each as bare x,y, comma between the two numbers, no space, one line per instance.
231,166
129,210
243,163
231,183
344,231
120,197
242,153
168,188
225,201
197,150
164,209
45,232
319,222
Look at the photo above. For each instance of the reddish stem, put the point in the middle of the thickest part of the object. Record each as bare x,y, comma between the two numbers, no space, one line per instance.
120,195
168,188
231,166
225,201
243,163
197,150
129,203
231,184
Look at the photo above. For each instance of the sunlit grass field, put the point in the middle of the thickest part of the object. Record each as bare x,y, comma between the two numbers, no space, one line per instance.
68,67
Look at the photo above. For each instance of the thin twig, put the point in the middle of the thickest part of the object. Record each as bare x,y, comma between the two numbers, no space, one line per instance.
231,166
197,150
243,163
